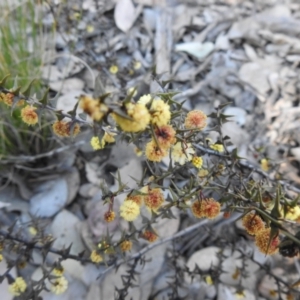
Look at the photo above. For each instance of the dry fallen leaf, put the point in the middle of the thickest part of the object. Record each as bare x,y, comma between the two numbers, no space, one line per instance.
199,50
3,204
124,14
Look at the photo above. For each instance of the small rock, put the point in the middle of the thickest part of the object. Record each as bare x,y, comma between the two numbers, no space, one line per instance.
10,197
65,232
73,181
4,293
238,115
52,196
204,259
67,85
69,100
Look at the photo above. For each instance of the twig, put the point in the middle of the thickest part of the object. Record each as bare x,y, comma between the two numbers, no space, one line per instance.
245,163
154,245
33,245
47,154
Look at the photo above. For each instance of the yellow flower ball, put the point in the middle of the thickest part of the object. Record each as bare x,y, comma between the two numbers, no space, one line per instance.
195,119
154,199
96,257
217,147
145,99
149,236
253,223
140,118
96,143
126,246
7,98
109,216
109,137
197,162
58,271
165,135
17,287
63,128
32,230
114,69
129,210
264,164
92,107
262,241
160,112
203,173
154,152
182,153
137,65
59,285
28,115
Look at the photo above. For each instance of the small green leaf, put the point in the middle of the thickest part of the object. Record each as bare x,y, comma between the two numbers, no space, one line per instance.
3,81
221,106
16,91
83,116
73,111
26,93
276,211
44,99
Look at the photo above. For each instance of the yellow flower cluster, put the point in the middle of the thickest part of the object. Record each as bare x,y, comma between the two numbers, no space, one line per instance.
165,136
64,128
32,230
126,246
7,98
106,247
114,69
208,208
153,152
160,112
96,144
129,210
154,199
158,148
263,243
145,99
58,271
203,173
138,118
264,164
138,199
197,162
253,223
293,213
94,108
28,115
195,119
107,138
96,257
182,153
151,198
59,285
109,216
137,65
17,287
150,236
217,147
